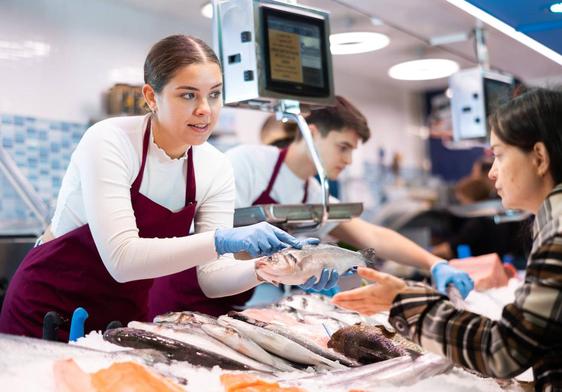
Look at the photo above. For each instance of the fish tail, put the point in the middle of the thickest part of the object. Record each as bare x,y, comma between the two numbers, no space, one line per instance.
370,257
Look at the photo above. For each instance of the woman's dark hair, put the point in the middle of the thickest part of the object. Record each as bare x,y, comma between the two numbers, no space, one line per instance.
337,118
172,53
534,116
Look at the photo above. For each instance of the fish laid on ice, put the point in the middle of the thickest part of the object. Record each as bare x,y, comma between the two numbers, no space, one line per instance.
320,304
232,338
174,349
368,344
399,371
313,339
278,344
198,338
229,336
185,317
294,266
295,317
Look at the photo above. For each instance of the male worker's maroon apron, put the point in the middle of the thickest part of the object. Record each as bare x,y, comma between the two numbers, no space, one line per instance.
265,197
181,291
68,272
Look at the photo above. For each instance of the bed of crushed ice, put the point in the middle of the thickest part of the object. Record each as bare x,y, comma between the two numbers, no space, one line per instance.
22,370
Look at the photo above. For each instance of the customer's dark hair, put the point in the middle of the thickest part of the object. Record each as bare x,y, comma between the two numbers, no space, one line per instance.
534,116
172,53
337,118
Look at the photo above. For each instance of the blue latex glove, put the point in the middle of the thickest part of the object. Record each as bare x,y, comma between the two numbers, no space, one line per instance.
443,274
327,292
328,279
260,239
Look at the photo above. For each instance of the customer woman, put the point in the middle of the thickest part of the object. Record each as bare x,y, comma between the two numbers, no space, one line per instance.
133,189
526,141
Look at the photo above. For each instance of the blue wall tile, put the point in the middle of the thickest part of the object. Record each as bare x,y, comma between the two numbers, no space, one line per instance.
41,149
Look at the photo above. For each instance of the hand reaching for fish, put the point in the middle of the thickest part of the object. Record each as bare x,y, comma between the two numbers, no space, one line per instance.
373,298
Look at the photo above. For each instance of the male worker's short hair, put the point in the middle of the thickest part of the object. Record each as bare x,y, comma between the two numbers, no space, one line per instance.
337,118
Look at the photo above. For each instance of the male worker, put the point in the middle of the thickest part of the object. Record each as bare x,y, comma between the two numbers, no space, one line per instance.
266,174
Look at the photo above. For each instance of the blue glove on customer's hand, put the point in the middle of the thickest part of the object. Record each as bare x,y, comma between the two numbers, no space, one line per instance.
258,240
443,274
327,281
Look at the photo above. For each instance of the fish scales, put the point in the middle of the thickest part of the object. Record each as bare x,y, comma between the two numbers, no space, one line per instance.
369,344
294,266
185,317
315,303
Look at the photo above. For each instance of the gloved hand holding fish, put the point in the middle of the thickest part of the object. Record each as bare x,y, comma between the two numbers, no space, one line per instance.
296,266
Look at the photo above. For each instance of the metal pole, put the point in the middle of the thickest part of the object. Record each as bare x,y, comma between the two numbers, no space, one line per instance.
481,48
290,109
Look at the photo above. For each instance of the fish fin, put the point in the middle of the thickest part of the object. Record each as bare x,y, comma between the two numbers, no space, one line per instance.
370,256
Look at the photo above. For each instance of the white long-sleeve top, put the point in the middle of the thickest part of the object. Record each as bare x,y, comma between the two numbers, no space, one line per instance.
96,191
253,166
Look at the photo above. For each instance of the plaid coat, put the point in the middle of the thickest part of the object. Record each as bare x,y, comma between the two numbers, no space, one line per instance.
529,332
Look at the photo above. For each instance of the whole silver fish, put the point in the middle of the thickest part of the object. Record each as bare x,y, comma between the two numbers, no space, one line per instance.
279,344
319,304
246,346
312,342
185,317
295,266
198,338
400,371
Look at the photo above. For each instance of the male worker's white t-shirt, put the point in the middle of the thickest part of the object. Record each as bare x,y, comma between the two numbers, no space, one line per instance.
253,166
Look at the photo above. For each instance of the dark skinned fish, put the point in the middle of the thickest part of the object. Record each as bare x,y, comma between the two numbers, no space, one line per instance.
369,344
173,349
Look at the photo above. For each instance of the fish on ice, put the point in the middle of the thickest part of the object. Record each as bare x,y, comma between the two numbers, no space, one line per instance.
368,344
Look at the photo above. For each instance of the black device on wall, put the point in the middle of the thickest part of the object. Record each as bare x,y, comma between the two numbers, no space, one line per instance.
295,53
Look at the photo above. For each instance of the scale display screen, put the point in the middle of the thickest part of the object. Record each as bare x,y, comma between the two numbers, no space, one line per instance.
295,53
497,93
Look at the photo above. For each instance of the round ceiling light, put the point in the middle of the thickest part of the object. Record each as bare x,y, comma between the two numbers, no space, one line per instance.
556,7
357,42
207,10
426,69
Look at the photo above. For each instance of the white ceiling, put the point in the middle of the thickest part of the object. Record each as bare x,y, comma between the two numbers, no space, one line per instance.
409,24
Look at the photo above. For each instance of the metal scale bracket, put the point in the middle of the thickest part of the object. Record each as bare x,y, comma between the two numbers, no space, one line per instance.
295,215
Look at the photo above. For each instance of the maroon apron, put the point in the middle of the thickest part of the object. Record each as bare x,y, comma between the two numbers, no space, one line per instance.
68,272
265,197
181,291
